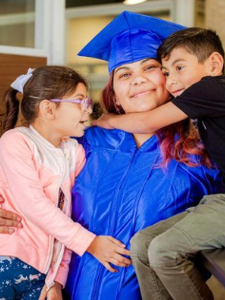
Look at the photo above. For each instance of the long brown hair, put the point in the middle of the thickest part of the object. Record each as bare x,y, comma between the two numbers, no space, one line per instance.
47,82
177,141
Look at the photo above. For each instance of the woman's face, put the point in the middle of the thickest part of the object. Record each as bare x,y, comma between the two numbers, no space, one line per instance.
140,86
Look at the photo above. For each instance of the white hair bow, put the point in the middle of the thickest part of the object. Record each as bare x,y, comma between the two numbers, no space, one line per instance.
20,81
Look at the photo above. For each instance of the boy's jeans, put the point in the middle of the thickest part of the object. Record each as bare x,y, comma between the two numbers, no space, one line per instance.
162,254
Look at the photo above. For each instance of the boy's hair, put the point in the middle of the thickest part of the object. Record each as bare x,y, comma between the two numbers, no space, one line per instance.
47,82
197,41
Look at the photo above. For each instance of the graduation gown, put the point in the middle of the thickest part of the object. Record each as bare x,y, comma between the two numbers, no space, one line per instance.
121,190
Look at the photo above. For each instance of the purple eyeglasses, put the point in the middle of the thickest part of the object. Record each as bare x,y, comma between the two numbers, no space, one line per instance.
87,102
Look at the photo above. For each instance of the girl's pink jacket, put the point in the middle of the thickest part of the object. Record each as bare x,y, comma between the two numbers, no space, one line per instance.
31,172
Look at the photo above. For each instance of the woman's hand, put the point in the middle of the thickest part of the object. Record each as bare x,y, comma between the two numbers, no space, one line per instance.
55,292
8,219
104,121
108,250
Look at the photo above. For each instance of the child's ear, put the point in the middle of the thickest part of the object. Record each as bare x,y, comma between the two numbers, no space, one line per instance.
216,62
47,109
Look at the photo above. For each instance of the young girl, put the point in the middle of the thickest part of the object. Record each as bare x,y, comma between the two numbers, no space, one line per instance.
38,166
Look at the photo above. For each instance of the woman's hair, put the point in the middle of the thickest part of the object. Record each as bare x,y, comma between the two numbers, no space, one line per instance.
108,102
177,141
47,82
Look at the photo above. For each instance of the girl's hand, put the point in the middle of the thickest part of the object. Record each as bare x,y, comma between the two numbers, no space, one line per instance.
8,219
55,292
104,121
43,294
108,250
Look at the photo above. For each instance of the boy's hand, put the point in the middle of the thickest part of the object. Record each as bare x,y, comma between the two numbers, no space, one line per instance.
104,121
108,250
55,292
8,219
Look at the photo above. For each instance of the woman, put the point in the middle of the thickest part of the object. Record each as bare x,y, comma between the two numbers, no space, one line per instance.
124,187
129,181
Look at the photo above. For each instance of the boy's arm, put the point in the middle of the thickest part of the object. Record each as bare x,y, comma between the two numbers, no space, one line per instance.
143,122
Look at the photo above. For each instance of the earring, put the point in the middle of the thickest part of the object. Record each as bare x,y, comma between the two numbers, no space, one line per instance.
118,107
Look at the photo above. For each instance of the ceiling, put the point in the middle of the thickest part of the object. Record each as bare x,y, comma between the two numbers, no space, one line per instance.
75,3
17,6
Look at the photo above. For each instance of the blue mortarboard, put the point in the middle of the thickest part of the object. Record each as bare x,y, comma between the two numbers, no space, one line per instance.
128,38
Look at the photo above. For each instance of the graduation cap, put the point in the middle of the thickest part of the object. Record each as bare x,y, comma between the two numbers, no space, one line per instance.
128,38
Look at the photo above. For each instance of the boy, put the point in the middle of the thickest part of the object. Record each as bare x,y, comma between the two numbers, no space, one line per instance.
193,62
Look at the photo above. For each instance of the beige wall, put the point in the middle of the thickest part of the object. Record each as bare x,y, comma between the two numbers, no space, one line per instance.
79,32
215,17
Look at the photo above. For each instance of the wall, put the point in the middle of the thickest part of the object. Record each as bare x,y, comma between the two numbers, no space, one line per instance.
79,32
11,67
215,17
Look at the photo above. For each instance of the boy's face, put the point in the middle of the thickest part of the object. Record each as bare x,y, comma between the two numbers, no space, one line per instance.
181,70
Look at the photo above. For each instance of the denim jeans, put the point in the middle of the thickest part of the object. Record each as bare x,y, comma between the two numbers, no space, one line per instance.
163,254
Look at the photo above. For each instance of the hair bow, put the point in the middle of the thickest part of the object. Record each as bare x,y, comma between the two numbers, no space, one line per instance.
20,81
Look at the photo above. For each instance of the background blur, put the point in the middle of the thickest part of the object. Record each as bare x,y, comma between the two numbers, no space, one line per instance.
58,29
37,32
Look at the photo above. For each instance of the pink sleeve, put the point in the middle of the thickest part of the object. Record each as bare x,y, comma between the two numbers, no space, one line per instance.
18,164
63,271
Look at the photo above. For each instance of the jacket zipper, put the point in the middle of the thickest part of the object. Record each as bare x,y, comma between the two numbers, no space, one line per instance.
57,267
52,239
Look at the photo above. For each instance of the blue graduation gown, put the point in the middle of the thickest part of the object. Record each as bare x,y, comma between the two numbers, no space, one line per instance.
119,192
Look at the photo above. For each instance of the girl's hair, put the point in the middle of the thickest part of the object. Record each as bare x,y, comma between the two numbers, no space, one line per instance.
178,141
47,82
